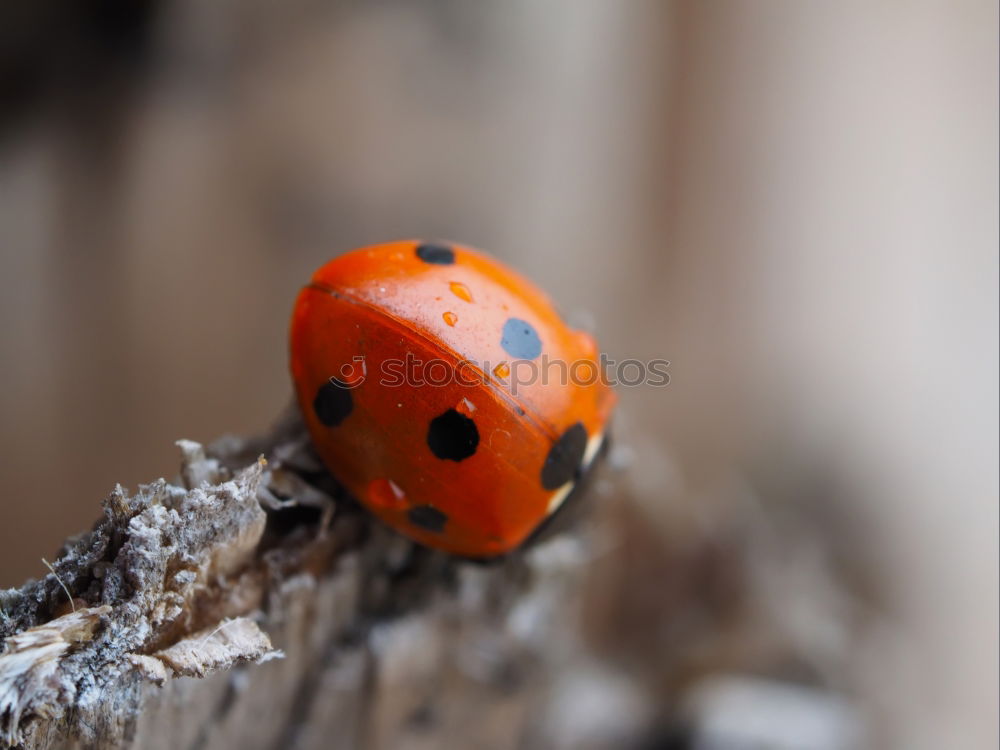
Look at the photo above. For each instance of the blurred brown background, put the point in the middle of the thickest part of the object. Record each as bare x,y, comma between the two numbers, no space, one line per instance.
795,203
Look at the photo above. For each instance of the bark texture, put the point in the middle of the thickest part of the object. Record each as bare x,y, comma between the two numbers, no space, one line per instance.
251,605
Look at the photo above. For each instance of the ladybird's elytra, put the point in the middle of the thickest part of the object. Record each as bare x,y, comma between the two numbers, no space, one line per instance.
453,436
333,402
471,465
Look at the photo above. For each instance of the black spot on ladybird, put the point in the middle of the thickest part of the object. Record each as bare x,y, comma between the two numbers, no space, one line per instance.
520,339
452,436
333,402
428,518
441,255
565,456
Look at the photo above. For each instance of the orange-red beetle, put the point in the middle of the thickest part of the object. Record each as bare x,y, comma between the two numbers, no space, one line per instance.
445,393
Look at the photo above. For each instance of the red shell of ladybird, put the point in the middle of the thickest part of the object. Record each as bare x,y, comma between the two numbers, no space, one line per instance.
403,357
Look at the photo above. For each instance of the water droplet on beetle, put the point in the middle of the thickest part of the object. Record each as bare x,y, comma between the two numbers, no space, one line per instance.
461,291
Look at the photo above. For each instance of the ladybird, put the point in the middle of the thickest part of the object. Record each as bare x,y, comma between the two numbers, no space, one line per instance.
445,393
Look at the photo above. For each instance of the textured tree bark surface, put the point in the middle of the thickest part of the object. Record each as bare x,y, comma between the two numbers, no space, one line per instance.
251,605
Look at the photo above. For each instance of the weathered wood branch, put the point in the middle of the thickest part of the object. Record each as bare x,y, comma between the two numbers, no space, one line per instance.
260,561
251,604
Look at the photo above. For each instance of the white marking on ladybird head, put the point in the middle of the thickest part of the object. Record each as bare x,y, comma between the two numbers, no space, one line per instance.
593,445
558,497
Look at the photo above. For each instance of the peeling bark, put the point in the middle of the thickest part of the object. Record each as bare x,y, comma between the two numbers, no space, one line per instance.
281,615
251,604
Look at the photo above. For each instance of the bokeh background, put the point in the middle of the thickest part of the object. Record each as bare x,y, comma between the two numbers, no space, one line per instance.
795,203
